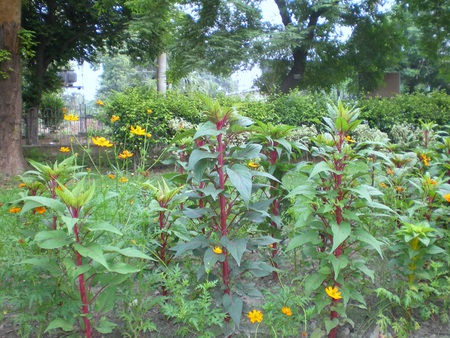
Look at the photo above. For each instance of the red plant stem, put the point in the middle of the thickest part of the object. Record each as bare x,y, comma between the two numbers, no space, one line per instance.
223,210
81,281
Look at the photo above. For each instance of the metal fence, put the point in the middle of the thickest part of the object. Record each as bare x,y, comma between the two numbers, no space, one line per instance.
53,128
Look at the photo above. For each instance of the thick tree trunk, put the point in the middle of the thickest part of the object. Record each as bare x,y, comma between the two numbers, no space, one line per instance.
12,161
161,73
295,75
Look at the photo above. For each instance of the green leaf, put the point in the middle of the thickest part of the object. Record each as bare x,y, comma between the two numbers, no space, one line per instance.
310,236
105,327
44,263
124,268
128,252
103,226
361,266
105,301
318,168
250,152
233,305
52,239
195,243
366,191
60,323
338,263
340,233
313,282
210,259
241,178
93,251
366,237
47,202
330,324
199,155
206,129
235,247
306,190
70,223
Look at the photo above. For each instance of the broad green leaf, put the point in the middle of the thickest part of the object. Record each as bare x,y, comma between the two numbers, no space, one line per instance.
47,202
338,263
241,178
206,129
341,124
103,226
250,152
128,252
210,259
70,223
105,301
340,233
235,247
361,266
264,174
198,155
210,190
306,190
366,191
196,213
44,263
366,237
195,243
124,268
313,282
233,305
318,168
330,324
93,251
52,239
263,241
61,323
310,236
105,327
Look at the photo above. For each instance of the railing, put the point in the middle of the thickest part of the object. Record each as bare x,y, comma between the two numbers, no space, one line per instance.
52,128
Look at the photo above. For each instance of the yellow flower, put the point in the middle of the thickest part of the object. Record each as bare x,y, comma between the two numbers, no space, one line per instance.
333,292
425,160
123,180
431,181
271,246
447,197
389,171
88,169
137,131
149,111
22,185
111,176
399,189
115,118
40,210
15,210
100,102
253,165
71,117
383,185
64,149
255,316
287,311
125,154
148,135
101,142
217,249
349,139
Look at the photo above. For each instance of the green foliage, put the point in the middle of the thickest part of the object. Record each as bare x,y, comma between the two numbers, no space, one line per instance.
333,204
51,112
407,108
4,56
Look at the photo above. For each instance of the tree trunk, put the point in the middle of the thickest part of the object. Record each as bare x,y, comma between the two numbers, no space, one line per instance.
161,73
295,75
12,161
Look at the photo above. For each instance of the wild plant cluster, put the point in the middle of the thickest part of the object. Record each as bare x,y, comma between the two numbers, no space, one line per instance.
259,228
